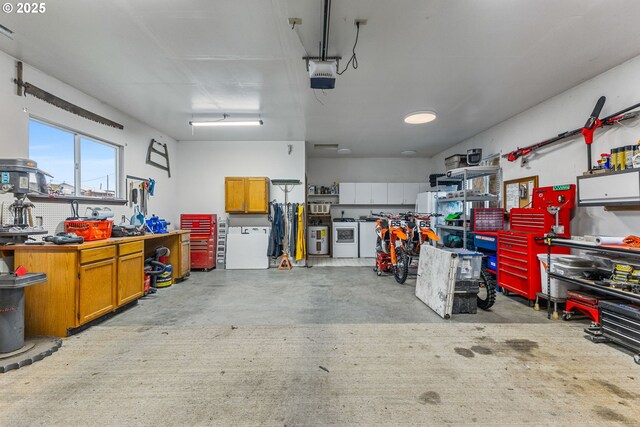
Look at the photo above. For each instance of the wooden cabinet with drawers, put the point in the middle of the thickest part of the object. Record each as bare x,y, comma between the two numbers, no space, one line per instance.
87,281
130,272
249,195
96,280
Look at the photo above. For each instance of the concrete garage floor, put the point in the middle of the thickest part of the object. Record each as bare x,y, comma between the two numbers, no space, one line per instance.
337,346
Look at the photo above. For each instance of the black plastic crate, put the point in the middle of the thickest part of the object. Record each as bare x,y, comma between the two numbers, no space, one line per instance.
467,286
466,303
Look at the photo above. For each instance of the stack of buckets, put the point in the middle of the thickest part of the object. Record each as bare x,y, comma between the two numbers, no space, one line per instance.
165,279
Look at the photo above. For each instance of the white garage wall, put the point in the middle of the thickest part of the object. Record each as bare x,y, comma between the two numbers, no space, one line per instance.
563,162
326,171
203,166
14,134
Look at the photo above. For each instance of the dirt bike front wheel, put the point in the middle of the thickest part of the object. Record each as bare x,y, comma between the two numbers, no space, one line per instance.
401,269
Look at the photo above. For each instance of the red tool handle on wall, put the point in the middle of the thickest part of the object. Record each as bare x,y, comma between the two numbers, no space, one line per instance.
590,127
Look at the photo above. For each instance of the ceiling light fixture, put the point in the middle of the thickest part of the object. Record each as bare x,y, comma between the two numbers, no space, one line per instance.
344,151
408,152
420,117
6,32
224,122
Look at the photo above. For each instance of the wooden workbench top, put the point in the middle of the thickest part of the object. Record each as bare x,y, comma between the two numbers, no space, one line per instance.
92,244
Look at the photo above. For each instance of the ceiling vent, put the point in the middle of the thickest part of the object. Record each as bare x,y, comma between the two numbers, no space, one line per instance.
330,147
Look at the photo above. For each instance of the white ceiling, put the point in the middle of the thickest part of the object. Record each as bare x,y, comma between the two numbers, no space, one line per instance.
474,62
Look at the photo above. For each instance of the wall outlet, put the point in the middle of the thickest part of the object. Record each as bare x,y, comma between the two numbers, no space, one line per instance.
360,21
295,21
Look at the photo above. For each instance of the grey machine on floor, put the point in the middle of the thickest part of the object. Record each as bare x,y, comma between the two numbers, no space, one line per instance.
15,177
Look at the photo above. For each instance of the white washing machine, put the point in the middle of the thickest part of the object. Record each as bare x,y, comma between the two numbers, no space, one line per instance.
345,238
367,239
318,240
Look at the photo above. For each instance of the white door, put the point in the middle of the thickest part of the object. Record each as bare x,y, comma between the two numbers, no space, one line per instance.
363,193
347,193
395,193
410,193
379,193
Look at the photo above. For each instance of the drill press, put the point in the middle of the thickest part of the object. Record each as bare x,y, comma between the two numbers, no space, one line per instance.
16,177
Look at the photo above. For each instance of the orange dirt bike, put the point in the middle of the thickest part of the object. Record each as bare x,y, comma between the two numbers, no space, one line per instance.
418,231
399,240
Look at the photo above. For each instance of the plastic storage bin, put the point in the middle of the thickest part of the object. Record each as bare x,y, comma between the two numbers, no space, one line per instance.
455,161
558,288
89,230
469,266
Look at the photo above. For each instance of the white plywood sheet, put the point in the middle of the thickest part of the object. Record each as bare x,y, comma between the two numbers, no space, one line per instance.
435,284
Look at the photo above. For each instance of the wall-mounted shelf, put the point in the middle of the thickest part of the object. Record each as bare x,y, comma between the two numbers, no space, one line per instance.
323,195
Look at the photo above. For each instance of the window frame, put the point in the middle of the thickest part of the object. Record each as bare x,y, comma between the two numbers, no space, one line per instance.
77,173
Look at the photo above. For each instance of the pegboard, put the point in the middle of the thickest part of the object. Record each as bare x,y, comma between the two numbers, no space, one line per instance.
51,216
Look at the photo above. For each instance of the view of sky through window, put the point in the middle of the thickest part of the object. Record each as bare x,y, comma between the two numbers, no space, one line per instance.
54,151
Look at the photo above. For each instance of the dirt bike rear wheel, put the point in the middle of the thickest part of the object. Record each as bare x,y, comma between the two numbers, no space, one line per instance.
486,298
401,269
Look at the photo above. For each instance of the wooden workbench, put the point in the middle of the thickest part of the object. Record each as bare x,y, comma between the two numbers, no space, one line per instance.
87,281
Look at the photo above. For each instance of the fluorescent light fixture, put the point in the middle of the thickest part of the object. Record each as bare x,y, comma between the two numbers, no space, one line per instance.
420,117
226,123
408,152
6,32
344,151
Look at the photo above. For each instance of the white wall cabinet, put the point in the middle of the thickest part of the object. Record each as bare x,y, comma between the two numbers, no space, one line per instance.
410,192
379,193
395,193
363,193
347,193
610,189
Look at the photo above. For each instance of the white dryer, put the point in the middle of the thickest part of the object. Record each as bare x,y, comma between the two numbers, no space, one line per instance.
345,238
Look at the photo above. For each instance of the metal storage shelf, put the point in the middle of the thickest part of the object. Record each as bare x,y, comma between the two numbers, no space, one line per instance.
452,227
468,199
463,175
590,284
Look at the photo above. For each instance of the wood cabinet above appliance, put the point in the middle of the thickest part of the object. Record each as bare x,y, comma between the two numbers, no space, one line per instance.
246,195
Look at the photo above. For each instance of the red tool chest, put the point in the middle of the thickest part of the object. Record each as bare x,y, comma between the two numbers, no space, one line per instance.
518,249
518,265
204,233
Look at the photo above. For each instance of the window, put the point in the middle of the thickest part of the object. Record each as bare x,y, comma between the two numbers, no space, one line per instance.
81,166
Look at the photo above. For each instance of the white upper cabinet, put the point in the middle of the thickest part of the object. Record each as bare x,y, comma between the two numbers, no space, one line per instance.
379,193
347,193
363,193
395,193
410,193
